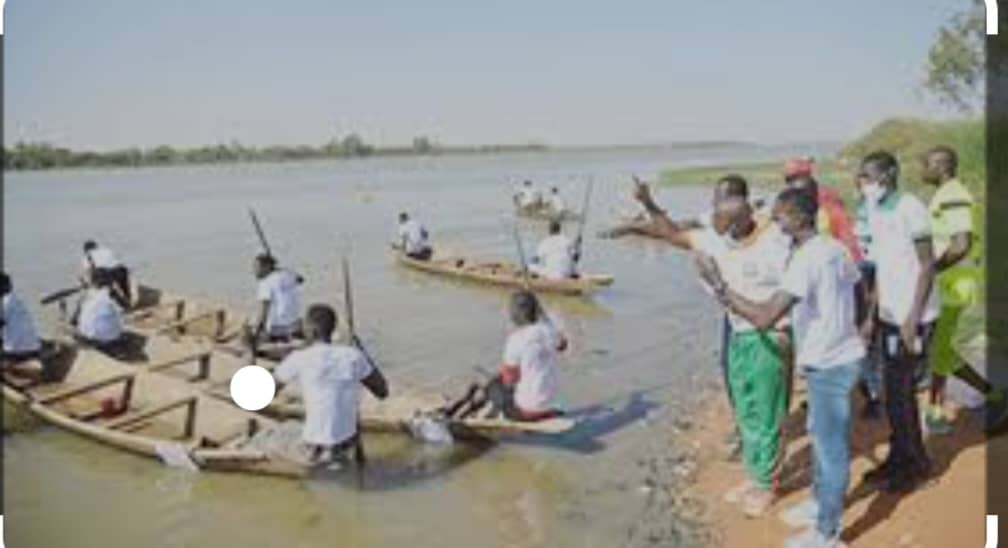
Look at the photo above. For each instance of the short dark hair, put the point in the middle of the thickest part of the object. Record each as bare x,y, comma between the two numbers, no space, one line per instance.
403,216
949,153
5,283
554,226
323,317
802,201
735,185
883,160
90,245
524,307
265,259
554,189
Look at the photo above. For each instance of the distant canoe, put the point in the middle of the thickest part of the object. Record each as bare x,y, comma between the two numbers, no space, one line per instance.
543,213
505,275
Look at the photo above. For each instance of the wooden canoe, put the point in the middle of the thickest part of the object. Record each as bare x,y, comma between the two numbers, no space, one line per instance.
504,274
146,413
544,213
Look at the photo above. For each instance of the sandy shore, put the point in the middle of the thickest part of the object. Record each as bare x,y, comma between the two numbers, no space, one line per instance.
948,511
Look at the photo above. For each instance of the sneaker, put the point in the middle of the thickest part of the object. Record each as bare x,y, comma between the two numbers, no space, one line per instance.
802,514
738,493
936,423
812,538
757,501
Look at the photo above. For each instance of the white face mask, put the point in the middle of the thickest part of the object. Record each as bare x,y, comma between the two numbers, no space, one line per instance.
872,192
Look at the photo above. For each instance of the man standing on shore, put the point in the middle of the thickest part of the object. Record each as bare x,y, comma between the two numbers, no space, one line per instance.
753,256
818,290
907,309
959,269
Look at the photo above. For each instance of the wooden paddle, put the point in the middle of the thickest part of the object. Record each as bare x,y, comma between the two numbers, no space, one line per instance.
61,294
259,232
359,455
584,219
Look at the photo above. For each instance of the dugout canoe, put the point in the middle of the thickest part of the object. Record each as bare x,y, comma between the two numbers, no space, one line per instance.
543,213
142,412
504,274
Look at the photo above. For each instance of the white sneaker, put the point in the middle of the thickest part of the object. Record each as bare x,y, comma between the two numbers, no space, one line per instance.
812,538
802,514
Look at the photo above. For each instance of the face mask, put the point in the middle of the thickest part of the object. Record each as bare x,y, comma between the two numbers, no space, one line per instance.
872,192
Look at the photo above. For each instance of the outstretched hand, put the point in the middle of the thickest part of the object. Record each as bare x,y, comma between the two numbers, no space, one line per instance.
642,193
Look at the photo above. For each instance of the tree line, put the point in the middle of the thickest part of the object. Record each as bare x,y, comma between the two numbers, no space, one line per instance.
33,156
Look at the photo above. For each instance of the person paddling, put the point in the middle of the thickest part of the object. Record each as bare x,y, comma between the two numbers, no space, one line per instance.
556,257
99,318
279,295
526,385
330,376
20,339
414,240
97,256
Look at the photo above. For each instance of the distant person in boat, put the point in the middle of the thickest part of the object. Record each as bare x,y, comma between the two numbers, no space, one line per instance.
279,296
329,376
99,318
96,256
555,203
817,291
526,386
414,240
528,197
557,255
20,339
752,253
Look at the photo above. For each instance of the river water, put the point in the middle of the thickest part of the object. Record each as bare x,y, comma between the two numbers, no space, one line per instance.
642,350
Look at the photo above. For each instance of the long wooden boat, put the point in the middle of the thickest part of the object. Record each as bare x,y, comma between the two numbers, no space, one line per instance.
196,342
504,274
140,411
545,213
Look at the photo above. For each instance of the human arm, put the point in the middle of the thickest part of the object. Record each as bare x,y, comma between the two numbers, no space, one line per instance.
924,249
763,315
959,247
660,225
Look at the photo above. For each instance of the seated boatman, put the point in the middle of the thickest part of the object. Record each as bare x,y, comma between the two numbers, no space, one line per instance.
413,238
97,256
555,203
279,296
557,255
329,376
20,339
526,387
99,318
528,197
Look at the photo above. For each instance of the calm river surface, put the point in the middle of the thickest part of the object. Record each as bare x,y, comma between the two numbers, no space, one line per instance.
641,349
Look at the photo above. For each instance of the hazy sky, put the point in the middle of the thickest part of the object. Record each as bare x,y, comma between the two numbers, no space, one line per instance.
111,73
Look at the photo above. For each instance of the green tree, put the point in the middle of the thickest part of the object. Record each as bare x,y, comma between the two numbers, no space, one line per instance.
956,64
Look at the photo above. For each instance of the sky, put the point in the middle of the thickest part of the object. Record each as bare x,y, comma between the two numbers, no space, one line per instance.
116,73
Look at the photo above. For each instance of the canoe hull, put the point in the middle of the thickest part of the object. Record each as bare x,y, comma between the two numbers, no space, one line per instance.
505,275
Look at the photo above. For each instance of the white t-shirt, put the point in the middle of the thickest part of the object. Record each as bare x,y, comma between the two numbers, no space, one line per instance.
822,276
533,350
896,223
413,235
102,258
329,377
555,257
100,318
19,333
754,267
282,290
556,203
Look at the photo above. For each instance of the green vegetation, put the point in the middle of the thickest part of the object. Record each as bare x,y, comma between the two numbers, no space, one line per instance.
28,156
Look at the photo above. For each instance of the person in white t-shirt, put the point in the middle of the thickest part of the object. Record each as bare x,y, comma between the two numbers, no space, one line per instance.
555,202
99,318
818,290
526,386
330,377
279,295
556,256
752,254
20,339
101,257
527,196
414,239
907,304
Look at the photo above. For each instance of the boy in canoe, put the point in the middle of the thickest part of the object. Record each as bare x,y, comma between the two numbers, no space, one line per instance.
413,238
556,256
20,339
97,256
279,295
98,317
330,376
526,386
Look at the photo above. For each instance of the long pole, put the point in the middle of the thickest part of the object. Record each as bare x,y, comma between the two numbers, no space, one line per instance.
259,232
359,454
584,218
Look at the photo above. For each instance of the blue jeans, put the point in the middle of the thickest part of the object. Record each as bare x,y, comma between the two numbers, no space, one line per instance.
829,422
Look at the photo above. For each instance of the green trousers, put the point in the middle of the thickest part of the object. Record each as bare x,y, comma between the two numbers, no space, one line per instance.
756,374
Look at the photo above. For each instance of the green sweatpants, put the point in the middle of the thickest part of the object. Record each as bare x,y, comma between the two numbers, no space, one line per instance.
756,374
